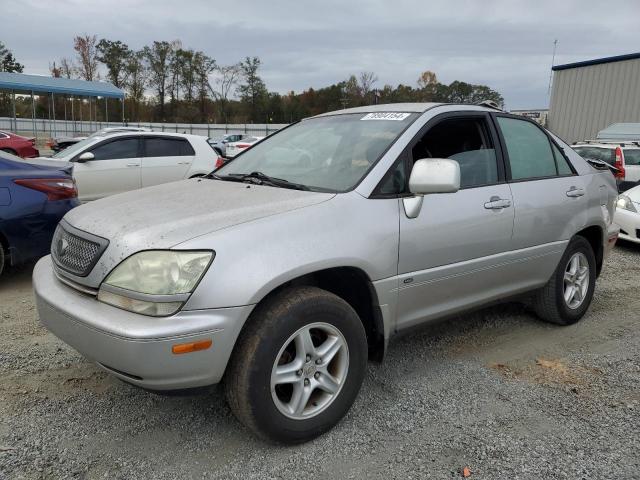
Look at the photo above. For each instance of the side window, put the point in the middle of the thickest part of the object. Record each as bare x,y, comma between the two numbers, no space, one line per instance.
561,161
529,150
467,141
167,147
125,148
632,156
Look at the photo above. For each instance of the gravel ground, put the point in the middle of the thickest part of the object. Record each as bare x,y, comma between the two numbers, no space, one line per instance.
497,391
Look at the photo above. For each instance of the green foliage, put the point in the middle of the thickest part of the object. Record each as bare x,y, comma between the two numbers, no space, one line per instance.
115,56
8,63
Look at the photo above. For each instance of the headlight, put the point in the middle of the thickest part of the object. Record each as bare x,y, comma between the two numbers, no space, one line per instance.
625,203
155,282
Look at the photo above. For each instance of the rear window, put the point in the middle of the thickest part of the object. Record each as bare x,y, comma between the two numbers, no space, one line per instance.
632,156
167,147
603,154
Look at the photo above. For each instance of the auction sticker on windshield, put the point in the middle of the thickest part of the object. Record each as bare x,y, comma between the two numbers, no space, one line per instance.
398,116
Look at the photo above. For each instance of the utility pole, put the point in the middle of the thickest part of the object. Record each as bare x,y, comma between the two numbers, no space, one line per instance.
553,61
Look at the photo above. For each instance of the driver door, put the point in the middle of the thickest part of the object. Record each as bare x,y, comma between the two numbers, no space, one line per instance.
451,254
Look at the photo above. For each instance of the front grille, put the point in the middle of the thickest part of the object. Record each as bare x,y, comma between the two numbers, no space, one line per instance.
76,252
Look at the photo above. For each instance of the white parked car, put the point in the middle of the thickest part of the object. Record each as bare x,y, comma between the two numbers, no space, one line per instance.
627,216
625,156
119,162
234,148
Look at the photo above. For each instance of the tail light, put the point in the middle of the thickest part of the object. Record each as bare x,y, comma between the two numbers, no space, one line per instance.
49,143
619,165
54,188
242,145
219,162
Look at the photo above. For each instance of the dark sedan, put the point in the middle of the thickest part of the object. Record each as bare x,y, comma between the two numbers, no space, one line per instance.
34,196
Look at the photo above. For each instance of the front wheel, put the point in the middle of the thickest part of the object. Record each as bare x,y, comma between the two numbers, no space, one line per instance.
568,294
298,365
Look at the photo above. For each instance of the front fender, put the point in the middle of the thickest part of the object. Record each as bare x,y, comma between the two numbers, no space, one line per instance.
254,258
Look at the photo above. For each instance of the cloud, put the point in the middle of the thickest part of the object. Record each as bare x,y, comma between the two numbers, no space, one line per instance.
505,44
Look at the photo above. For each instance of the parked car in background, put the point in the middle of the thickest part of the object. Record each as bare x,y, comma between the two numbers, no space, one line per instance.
293,264
60,143
234,148
624,156
17,145
220,143
119,162
34,196
627,215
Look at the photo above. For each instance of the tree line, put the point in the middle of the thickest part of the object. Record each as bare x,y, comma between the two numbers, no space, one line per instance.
167,82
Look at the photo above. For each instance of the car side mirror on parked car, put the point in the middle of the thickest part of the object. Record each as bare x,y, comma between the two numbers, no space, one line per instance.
85,157
431,175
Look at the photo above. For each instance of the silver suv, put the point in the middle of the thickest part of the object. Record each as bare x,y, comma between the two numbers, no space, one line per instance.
283,272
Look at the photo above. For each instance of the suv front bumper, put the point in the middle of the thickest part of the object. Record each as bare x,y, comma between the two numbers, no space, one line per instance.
138,348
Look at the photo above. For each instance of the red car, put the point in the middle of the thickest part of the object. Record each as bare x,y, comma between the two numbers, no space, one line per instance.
21,146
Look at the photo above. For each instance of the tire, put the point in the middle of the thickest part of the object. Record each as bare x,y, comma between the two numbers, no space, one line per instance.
9,150
270,340
550,304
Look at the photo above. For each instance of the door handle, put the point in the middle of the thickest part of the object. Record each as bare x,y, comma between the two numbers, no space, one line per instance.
497,203
575,192
133,164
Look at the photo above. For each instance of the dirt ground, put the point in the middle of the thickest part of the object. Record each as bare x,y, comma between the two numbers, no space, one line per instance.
498,392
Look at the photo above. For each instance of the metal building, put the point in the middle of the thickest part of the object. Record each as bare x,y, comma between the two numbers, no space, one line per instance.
589,96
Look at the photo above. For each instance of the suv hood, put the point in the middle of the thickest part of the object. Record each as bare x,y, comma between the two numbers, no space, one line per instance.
166,215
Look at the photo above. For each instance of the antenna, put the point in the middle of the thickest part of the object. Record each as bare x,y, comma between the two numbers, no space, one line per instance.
553,61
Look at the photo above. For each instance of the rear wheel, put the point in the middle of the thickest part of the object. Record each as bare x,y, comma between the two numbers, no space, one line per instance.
568,294
9,150
298,365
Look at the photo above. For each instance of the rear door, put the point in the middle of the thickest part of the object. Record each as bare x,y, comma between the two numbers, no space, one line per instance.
114,169
165,159
549,197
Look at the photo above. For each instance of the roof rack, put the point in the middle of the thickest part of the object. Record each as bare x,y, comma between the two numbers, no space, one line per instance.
490,104
621,143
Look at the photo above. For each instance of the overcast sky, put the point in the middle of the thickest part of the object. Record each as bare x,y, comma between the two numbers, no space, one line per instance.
505,44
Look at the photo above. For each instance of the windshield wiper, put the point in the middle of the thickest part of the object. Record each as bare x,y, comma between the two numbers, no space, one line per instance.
260,178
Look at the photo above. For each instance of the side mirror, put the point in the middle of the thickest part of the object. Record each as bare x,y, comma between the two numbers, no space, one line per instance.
434,175
85,157
430,175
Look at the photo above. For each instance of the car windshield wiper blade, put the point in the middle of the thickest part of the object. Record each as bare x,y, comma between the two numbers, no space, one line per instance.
262,178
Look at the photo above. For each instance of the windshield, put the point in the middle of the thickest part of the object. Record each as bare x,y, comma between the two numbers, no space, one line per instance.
75,148
327,153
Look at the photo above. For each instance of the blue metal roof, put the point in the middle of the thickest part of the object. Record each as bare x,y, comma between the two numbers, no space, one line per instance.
68,86
597,61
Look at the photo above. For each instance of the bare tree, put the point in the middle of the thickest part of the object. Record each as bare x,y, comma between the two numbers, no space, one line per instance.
365,82
227,78
56,72
85,47
66,67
